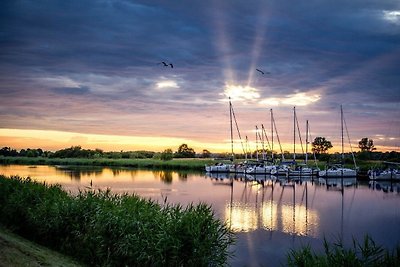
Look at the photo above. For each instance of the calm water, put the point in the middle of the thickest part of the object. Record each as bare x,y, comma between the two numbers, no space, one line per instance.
270,216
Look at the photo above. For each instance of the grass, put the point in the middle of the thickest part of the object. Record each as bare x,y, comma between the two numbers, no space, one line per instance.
16,251
176,164
103,229
366,253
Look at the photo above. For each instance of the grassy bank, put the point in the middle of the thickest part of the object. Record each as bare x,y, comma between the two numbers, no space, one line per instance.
102,229
176,164
362,254
16,251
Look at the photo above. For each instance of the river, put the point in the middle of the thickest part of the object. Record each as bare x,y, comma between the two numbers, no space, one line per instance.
269,216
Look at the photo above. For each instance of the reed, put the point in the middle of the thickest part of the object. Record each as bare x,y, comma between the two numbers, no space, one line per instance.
366,253
104,229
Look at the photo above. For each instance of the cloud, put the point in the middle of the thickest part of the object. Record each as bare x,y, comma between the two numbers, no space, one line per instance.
93,65
392,16
167,84
240,92
82,90
297,99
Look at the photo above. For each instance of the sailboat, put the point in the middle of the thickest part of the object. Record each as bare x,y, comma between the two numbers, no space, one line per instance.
297,169
262,167
231,167
391,172
339,170
224,167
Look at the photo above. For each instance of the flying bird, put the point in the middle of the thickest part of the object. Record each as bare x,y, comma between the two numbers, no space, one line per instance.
262,72
165,64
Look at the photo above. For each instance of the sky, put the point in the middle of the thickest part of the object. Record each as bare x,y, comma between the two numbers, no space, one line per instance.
89,73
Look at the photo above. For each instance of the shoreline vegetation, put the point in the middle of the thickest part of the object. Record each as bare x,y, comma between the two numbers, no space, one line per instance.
187,164
185,158
99,228
175,164
336,254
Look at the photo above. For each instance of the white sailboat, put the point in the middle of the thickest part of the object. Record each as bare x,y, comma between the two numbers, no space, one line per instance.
230,167
390,173
224,167
339,170
298,169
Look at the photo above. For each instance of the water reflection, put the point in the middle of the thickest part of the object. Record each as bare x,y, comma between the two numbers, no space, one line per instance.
262,206
385,186
76,173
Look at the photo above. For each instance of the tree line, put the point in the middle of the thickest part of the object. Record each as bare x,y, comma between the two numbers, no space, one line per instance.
183,151
320,146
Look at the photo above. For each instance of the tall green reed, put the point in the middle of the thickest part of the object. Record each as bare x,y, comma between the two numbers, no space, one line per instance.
105,229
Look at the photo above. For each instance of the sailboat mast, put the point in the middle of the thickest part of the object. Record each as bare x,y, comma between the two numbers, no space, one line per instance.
256,142
272,136
230,118
294,134
341,119
306,141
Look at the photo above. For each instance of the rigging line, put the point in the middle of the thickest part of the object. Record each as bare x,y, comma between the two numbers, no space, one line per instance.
351,148
277,136
266,136
314,156
298,130
237,128
262,142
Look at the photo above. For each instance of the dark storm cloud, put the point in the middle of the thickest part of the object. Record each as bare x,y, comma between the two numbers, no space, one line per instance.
348,50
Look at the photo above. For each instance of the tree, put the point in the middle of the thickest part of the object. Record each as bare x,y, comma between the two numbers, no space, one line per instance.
321,145
166,154
206,153
185,152
366,144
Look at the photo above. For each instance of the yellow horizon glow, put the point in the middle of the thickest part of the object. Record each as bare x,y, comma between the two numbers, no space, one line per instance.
55,140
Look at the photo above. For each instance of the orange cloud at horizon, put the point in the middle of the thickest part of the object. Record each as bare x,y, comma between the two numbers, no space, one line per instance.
55,140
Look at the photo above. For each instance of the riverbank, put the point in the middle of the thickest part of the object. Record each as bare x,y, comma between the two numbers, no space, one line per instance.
194,164
175,164
16,251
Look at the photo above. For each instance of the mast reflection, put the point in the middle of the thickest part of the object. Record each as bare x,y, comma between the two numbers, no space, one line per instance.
264,204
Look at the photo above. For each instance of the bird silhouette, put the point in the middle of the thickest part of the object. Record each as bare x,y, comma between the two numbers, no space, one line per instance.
165,64
262,72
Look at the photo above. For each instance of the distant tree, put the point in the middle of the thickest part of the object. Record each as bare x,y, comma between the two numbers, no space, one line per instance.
185,152
8,152
320,145
167,154
205,153
366,144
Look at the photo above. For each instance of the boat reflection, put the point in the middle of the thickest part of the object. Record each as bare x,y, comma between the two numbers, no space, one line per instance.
339,182
268,203
385,186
